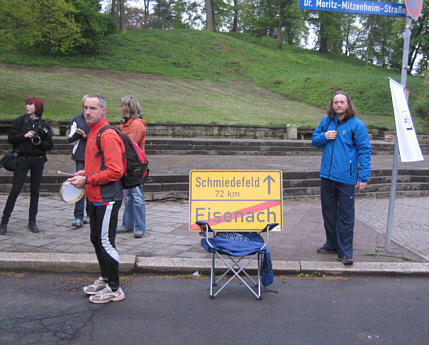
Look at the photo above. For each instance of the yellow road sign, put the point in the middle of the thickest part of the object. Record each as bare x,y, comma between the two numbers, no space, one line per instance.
235,200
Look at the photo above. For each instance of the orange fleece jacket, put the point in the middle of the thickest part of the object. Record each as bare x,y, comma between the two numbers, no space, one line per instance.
135,129
113,149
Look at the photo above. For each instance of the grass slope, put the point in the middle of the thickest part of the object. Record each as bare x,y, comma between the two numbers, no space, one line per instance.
163,99
206,68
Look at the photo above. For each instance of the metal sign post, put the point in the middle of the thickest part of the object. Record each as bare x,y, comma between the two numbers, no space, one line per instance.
404,73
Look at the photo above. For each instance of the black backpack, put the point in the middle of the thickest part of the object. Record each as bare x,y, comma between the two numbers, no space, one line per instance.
135,162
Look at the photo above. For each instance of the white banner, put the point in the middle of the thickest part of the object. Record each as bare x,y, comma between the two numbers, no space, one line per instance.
409,147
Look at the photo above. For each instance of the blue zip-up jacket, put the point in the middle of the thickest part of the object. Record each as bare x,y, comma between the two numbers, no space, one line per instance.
349,153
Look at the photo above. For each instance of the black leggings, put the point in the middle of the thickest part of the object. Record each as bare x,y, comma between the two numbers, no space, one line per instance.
35,165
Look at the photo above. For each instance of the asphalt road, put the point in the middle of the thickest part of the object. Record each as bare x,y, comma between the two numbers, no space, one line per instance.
43,308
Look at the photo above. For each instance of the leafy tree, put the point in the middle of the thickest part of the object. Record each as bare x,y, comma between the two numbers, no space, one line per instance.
163,15
117,10
419,45
422,108
294,28
280,19
223,15
349,30
374,44
193,14
94,25
186,14
45,25
137,18
261,17
17,27
59,31
380,41
330,38
53,26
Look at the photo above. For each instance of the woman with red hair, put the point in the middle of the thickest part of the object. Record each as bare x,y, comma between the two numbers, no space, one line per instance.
31,137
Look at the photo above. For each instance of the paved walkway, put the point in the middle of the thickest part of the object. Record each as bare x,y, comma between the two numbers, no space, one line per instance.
168,236
169,245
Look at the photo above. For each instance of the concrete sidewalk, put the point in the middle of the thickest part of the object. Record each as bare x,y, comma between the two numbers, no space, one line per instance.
168,245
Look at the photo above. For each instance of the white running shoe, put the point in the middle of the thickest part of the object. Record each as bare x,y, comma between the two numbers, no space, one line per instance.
107,295
95,287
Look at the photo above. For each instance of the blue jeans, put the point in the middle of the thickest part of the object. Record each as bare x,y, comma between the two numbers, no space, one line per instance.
338,209
135,210
79,207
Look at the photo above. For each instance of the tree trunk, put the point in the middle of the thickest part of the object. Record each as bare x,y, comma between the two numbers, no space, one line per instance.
146,12
235,21
323,34
122,20
412,57
369,46
113,8
210,23
323,47
346,52
282,6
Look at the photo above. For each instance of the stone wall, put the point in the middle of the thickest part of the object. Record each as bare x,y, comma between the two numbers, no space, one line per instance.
195,131
221,131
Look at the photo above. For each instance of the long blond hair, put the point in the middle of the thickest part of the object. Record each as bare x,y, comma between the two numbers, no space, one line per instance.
131,107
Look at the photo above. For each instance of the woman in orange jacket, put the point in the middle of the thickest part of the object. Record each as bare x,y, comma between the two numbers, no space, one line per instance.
134,218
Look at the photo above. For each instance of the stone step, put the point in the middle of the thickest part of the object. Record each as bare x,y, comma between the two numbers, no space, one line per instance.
295,184
172,146
288,194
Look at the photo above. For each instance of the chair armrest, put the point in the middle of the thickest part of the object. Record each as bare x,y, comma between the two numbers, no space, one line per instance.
205,229
270,227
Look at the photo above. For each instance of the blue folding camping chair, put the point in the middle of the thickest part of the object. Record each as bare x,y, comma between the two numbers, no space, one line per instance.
237,250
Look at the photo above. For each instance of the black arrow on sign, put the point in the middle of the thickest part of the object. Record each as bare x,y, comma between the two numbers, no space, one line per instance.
269,179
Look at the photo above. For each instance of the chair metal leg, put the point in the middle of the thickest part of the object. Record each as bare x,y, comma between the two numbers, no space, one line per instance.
212,275
260,258
236,273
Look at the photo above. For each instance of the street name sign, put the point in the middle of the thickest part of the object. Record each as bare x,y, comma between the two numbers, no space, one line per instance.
353,6
236,200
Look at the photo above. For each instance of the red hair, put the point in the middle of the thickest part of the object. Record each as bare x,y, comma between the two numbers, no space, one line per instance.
38,104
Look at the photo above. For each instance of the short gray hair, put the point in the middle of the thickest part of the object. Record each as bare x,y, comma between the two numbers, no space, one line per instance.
101,100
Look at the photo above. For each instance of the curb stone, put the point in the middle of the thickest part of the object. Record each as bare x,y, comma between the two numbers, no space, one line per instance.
87,263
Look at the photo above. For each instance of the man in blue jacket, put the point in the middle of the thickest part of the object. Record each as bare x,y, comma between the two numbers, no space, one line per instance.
346,163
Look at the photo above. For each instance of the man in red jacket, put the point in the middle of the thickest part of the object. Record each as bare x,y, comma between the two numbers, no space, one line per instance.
101,179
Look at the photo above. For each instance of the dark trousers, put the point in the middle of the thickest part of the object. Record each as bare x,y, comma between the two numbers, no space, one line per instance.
35,165
103,221
338,209
79,207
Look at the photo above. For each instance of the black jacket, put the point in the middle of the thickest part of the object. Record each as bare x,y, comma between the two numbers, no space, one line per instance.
20,126
78,152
